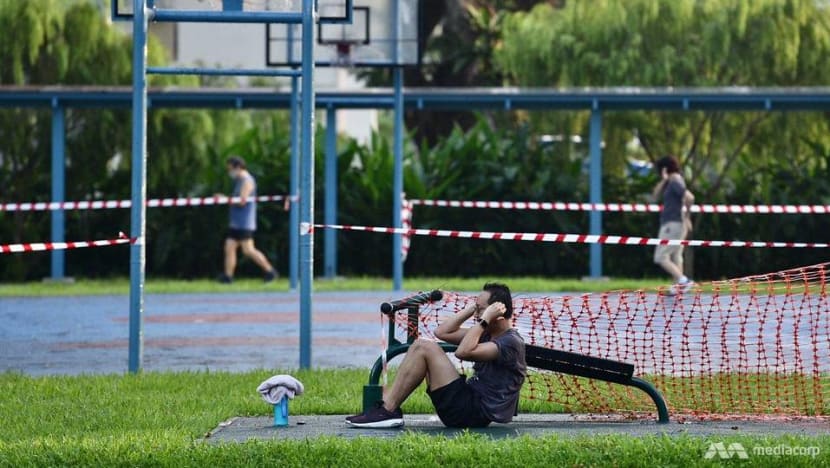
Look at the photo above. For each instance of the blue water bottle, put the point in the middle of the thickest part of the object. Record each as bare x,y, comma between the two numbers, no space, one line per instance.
281,413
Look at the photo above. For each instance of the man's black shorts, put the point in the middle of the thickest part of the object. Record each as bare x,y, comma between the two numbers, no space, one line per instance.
458,405
240,234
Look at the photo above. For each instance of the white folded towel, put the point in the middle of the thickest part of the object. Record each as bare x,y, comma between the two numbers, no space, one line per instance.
278,386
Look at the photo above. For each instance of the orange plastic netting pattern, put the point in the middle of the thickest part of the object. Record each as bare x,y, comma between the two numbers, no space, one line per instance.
758,345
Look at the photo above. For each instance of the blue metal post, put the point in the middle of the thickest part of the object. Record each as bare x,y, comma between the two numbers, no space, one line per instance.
232,5
330,235
139,186
58,184
307,184
596,188
397,182
294,213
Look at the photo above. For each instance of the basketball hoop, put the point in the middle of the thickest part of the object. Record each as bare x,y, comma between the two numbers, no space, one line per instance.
344,53
381,33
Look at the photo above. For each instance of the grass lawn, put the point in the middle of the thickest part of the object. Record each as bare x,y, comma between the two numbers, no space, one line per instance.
121,286
158,419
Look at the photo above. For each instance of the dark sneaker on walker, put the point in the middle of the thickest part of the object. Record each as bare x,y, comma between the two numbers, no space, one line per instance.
377,417
270,276
224,279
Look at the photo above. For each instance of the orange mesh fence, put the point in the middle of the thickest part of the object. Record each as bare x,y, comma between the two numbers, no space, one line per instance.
758,345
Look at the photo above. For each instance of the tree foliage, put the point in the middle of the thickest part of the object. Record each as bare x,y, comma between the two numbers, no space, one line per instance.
680,43
668,43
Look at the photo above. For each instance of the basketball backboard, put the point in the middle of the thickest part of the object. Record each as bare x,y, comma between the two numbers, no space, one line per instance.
336,10
382,33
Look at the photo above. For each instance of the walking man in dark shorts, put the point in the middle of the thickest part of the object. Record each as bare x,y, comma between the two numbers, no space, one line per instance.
675,222
243,222
490,395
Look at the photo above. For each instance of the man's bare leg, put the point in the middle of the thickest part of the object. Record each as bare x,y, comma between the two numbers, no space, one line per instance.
677,258
424,360
230,257
672,269
254,254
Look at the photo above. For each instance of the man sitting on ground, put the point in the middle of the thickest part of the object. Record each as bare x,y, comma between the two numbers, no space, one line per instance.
490,395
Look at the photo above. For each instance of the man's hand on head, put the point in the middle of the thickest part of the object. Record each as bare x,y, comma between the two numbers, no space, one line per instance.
493,312
470,310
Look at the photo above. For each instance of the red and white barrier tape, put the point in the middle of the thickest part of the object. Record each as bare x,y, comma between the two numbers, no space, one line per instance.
152,203
625,207
564,238
44,246
406,223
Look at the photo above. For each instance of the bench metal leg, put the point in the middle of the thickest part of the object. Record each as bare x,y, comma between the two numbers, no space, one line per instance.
662,409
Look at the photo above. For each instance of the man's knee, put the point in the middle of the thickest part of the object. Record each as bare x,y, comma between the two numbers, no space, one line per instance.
422,345
248,249
663,255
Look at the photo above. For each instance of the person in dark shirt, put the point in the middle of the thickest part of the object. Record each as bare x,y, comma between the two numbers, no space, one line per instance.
490,395
675,222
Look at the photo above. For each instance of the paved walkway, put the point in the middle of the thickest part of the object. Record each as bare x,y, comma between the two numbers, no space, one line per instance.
230,332
303,427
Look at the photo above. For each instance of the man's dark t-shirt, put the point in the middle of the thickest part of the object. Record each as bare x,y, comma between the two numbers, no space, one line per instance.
498,382
673,200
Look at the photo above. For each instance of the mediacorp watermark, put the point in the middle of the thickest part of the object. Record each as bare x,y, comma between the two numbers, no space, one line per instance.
726,451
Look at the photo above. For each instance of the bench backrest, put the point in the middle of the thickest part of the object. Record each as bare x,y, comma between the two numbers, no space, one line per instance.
578,364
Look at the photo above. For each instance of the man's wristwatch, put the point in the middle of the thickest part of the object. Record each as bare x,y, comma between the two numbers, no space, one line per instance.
483,323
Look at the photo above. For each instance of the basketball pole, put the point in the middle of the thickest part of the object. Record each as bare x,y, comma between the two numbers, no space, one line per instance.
294,188
307,183
139,186
330,202
397,182
397,170
58,267
595,178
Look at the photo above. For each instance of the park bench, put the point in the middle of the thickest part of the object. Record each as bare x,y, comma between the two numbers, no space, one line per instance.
563,362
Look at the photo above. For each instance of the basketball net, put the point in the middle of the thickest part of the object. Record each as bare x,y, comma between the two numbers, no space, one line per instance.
344,54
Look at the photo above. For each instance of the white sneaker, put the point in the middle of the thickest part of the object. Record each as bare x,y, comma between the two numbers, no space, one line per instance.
681,288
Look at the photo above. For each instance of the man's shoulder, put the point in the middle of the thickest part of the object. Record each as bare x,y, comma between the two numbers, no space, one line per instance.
514,332
511,336
677,180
